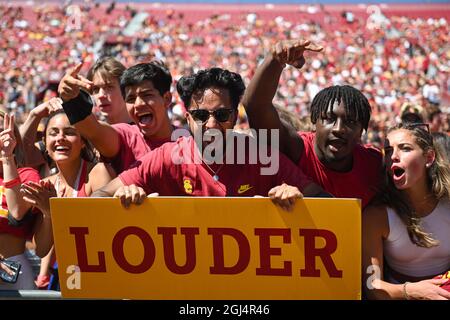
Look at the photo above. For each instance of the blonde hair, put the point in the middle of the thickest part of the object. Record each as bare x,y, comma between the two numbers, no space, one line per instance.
412,109
438,181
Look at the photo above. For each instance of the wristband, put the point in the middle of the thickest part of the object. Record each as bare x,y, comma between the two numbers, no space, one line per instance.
12,183
13,222
78,108
42,282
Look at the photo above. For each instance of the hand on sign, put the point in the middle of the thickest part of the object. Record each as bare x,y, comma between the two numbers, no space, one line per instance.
130,194
285,196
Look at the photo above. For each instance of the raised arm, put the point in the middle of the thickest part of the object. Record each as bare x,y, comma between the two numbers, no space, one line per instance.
259,94
78,105
17,207
28,129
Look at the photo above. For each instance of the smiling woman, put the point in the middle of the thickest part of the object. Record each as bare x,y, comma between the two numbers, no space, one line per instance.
406,235
78,175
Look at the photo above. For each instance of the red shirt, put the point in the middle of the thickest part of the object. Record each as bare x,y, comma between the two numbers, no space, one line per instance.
156,172
25,230
362,182
133,145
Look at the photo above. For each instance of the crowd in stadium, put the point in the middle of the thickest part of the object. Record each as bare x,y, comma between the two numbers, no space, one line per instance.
407,60
84,96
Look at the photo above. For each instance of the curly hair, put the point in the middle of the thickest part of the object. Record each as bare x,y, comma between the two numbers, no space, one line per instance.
189,86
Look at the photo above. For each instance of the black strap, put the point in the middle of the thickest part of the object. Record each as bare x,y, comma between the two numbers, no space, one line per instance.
13,222
78,108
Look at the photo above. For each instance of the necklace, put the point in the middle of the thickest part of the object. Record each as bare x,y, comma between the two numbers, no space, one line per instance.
77,182
215,173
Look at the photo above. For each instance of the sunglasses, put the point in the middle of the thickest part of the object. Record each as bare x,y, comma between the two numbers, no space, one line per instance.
413,125
221,115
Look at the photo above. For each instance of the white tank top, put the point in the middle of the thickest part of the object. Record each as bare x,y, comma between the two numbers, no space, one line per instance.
405,257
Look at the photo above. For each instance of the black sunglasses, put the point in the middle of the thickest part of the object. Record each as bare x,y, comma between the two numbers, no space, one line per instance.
221,115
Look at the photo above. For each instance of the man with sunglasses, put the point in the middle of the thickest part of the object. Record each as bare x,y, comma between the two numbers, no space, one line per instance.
187,168
146,91
332,155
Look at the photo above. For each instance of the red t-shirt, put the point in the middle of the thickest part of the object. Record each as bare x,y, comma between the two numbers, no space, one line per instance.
156,172
362,182
25,230
133,145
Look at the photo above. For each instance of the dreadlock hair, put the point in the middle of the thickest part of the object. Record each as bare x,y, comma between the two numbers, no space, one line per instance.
438,183
355,103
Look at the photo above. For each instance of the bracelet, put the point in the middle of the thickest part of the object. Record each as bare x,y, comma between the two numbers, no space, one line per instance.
42,281
405,294
12,183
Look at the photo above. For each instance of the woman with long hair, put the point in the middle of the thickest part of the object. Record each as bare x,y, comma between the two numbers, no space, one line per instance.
406,235
79,174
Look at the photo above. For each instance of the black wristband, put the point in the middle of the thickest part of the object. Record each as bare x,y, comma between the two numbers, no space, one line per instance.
17,223
78,108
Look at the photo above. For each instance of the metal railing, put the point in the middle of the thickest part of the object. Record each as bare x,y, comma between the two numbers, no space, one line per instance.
30,294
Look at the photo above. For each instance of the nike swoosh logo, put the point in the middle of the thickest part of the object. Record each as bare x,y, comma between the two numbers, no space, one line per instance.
243,189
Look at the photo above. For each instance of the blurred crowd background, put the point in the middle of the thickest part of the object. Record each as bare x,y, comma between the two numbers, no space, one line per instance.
396,54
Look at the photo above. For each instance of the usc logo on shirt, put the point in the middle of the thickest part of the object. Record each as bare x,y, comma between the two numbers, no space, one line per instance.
187,186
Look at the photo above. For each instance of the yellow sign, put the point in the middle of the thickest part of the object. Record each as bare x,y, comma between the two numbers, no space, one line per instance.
208,248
